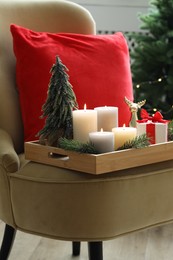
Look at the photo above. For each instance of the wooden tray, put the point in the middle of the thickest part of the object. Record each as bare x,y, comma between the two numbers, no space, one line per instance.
100,163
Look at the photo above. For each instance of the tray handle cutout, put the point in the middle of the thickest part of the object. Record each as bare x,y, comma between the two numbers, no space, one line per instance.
58,156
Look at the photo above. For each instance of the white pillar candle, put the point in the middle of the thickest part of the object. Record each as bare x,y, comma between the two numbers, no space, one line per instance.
122,135
107,118
84,122
103,141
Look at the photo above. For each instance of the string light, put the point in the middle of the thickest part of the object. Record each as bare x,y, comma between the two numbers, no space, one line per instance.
151,82
160,80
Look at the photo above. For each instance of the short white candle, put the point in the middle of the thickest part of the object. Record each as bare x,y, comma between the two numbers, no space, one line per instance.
107,117
84,122
122,135
103,141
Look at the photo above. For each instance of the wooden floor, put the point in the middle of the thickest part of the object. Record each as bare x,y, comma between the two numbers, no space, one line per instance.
153,244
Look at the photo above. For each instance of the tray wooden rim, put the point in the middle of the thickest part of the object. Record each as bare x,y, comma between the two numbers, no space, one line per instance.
98,163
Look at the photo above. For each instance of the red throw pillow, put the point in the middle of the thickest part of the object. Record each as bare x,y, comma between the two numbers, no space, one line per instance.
99,71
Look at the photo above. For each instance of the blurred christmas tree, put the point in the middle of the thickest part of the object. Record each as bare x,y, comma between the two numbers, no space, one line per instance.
57,109
152,58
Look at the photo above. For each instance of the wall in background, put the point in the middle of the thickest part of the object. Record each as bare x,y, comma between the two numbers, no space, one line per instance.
116,15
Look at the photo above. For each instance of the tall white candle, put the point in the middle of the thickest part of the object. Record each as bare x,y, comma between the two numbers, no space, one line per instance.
122,135
84,122
107,118
103,141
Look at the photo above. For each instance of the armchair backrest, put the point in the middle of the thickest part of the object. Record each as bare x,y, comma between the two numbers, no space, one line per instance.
39,15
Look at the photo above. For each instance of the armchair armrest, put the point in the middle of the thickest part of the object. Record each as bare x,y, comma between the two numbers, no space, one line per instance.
8,156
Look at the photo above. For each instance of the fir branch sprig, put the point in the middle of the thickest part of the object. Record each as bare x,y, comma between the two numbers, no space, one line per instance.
140,141
74,145
170,131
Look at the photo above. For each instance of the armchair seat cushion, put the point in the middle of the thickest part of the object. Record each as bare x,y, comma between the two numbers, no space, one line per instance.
89,207
99,71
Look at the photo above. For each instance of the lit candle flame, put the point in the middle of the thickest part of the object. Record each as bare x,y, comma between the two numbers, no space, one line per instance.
124,126
85,107
101,130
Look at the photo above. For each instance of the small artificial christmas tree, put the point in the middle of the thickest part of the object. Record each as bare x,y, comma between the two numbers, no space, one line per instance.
58,107
152,58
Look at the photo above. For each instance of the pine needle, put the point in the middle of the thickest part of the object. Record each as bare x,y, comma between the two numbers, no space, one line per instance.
138,142
76,146
170,131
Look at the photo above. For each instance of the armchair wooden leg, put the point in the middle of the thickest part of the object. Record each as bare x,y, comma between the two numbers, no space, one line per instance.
7,242
95,250
75,248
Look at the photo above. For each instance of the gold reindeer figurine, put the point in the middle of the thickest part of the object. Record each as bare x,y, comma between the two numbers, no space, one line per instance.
134,109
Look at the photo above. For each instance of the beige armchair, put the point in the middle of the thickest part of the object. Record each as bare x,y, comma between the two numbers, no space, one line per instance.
58,203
